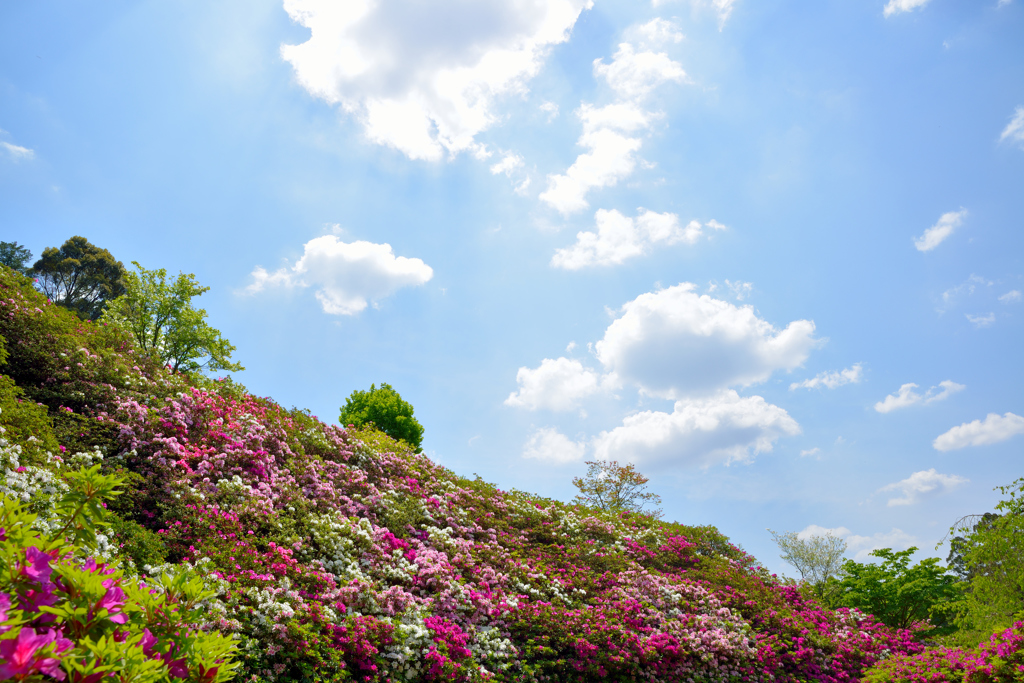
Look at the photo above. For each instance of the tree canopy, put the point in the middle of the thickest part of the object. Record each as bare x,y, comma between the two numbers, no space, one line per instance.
386,410
818,558
80,276
165,324
613,487
15,257
897,593
989,554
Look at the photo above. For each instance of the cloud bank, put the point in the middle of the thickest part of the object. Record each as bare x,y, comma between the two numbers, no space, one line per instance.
675,343
693,350
424,78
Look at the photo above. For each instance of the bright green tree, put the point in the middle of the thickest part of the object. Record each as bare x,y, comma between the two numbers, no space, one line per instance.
991,550
15,257
386,410
897,593
79,276
616,488
165,324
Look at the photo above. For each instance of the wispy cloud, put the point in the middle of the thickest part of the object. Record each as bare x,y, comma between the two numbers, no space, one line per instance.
1011,297
17,152
981,320
831,380
906,396
1014,131
619,238
935,235
920,484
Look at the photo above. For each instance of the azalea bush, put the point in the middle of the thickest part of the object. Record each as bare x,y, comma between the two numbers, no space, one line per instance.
1000,659
67,612
336,554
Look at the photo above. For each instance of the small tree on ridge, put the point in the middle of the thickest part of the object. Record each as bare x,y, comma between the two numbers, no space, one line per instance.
386,410
616,488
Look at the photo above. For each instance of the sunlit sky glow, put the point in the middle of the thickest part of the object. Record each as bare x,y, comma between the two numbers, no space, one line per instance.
771,252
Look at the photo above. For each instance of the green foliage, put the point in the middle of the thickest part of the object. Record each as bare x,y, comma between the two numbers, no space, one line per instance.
384,409
817,558
616,488
60,360
24,422
80,277
897,593
99,622
15,257
992,551
165,325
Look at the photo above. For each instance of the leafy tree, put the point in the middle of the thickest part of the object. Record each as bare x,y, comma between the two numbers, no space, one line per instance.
15,257
80,276
386,410
616,488
959,545
898,593
817,558
992,552
165,324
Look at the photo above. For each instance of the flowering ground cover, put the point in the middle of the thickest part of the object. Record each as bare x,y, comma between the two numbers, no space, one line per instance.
325,554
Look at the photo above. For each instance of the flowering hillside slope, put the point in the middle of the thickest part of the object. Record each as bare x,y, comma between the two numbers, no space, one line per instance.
339,555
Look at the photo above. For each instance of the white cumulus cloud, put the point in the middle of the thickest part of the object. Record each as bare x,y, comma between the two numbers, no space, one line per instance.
620,237
723,428
347,276
906,396
831,380
1014,131
899,6
633,75
612,133
1011,297
934,236
549,445
424,78
557,384
921,484
657,32
675,343
994,429
608,134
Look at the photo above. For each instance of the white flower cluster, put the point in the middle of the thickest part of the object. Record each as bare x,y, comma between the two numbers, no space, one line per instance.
489,646
412,643
340,542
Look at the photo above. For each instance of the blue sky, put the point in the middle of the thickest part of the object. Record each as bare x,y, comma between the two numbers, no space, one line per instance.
770,252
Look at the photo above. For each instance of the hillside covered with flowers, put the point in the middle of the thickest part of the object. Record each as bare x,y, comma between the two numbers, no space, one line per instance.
255,541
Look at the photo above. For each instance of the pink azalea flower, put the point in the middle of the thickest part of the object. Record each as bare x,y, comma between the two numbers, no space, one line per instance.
38,566
20,658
